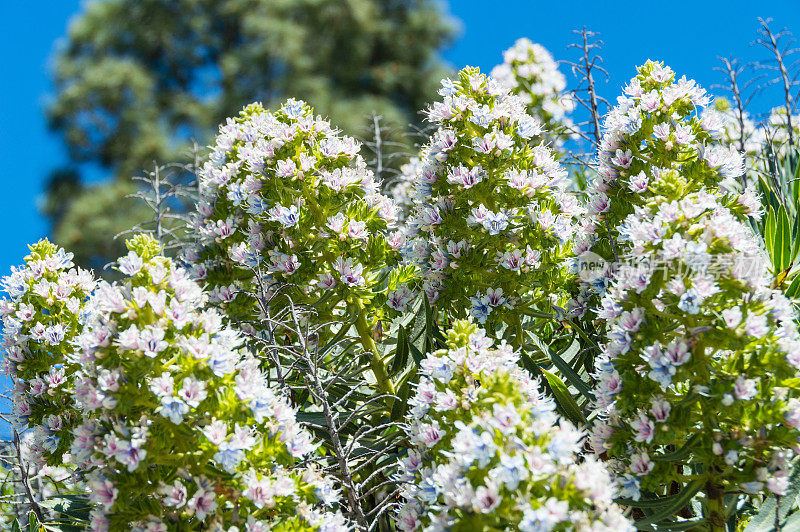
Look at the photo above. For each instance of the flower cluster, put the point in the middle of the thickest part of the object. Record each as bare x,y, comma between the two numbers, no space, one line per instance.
528,70
492,218
701,356
490,453
181,429
40,319
657,137
288,203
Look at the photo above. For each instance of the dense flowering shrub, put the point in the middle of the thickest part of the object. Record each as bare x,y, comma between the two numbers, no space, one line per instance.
701,356
492,218
40,319
181,430
489,452
529,71
286,196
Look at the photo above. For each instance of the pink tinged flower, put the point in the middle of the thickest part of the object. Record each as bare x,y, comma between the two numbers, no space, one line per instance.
778,484
660,408
350,274
684,134
511,260
357,230
651,101
202,503
336,223
407,519
283,263
25,312
484,144
224,228
643,427
174,495
598,204
641,463
639,182
630,321
430,216
400,298
216,432
622,159
151,341
260,492
55,377
326,281
745,389
533,257
285,168
466,177
130,264
396,240
445,401
193,392
678,352
36,387
429,434
756,325
103,492
487,498
661,131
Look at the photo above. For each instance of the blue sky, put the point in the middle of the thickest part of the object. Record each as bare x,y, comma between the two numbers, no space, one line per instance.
686,35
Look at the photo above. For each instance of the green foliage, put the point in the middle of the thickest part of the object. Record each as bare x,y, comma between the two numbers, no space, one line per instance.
780,229
136,80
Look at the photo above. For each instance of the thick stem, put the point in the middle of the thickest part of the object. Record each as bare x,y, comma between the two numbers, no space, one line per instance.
375,363
715,506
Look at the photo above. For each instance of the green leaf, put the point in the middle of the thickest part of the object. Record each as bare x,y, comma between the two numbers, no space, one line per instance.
782,246
15,526
565,369
764,520
400,352
416,354
403,393
564,398
679,454
692,524
769,231
676,503
794,288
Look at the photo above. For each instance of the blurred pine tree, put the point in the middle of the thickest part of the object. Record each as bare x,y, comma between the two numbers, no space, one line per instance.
136,80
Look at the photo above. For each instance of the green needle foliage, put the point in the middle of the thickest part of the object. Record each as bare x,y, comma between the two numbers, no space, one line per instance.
136,80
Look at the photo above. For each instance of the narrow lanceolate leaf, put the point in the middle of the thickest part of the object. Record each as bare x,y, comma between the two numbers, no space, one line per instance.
782,246
679,454
693,524
794,288
564,399
769,232
400,352
676,503
564,368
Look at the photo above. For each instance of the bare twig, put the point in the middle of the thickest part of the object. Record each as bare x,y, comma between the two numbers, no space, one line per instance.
585,69
780,45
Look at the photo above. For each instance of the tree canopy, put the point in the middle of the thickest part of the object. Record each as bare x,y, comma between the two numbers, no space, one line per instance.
136,81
